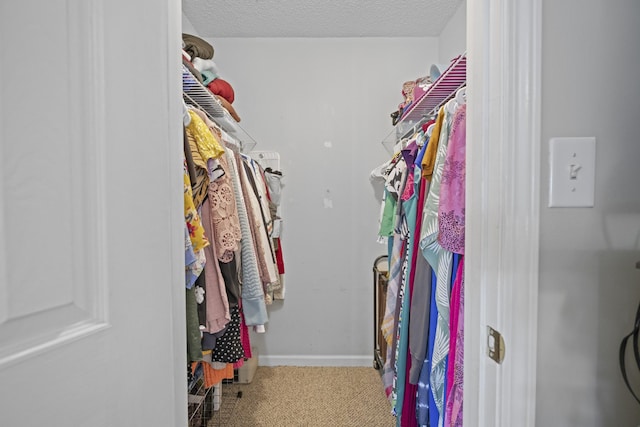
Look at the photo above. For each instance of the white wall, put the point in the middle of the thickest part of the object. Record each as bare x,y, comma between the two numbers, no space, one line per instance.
187,26
453,39
589,287
324,104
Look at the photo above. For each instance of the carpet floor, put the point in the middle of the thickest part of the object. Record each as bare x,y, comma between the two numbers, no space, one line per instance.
286,396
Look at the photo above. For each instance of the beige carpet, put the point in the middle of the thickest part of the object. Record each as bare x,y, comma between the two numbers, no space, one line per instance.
306,396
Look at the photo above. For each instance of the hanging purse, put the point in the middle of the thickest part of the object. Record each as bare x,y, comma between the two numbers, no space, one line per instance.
636,352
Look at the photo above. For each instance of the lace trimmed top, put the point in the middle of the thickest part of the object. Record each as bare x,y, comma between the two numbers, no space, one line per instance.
224,214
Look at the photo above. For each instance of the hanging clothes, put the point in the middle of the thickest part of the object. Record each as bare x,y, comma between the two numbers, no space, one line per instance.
389,322
195,240
421,283
224,214
194,346
192,219
229,346
423,190
228,235
455,369
395,177
273,181
218,314
259,186
407,396
199,186
406,215
400,352
429,159
208,146
451,209
422,218
265,257
440,260
254,307
222,201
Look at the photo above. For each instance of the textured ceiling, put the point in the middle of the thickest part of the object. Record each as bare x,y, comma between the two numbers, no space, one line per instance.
319,18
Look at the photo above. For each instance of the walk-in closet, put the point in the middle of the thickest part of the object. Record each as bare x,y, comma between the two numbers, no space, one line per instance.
336,213
325,103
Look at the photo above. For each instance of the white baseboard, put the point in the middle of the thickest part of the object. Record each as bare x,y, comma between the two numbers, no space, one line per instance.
306,360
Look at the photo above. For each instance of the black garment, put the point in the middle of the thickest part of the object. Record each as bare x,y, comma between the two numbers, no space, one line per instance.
228,346
209,341
229,272
202,307
191,167
194,347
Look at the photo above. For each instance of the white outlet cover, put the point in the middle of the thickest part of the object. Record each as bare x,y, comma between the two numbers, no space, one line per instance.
572,172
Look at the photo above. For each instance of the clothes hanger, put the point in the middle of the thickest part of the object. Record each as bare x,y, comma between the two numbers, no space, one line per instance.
451,106
430,130
421,138
461,96
400,145
426,125
231,142
186,118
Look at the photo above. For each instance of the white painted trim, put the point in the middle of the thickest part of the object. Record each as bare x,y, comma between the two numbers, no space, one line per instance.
86,40
96,134
54,339
4,295
87,125
474,352
307,360
523,213
503,186
176,197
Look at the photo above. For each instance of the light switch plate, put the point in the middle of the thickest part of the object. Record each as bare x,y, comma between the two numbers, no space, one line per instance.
573,171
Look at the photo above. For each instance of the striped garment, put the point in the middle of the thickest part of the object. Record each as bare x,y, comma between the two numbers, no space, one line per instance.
440,260
400,348
388,325
253,305
455,368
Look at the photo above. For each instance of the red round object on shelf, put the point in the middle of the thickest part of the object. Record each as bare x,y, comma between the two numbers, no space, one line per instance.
223,88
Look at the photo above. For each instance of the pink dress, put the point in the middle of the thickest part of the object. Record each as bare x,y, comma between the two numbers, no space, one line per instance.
453,411
451,211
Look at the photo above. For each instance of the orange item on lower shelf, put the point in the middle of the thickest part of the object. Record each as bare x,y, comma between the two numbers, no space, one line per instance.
214,376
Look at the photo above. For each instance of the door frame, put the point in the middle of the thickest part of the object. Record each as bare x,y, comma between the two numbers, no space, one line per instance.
503,204
175,184
503,197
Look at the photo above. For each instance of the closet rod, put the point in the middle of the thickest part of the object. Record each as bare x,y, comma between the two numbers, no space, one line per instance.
415,127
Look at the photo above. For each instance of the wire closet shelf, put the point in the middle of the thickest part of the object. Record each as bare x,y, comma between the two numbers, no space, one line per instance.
442,90
196,95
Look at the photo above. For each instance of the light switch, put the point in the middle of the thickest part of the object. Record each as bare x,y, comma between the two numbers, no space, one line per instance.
573,171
